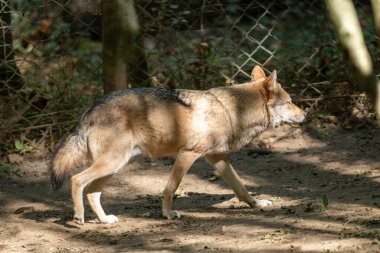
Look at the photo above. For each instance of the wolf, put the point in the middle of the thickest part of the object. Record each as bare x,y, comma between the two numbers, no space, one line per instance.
179,123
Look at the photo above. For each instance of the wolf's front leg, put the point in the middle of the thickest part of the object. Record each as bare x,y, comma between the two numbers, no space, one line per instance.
223,166
182,164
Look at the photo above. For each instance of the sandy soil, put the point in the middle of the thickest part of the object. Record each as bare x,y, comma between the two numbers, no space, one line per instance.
325,184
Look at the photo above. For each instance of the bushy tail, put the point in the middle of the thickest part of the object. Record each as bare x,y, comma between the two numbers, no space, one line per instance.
70,154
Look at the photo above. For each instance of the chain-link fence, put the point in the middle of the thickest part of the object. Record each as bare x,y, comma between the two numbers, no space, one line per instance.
51,64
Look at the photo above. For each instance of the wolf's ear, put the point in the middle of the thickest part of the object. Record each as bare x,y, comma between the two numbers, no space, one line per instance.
257,73
271,82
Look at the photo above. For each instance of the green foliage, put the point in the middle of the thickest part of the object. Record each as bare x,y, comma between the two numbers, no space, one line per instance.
274,198
305,51
18,145
187,45
22,148
62,76
325,201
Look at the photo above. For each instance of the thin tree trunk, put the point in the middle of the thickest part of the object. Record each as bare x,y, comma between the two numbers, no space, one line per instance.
124,62
343,15
376,15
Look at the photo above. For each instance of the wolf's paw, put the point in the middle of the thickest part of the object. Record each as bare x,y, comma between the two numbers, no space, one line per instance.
263,203
172,214
78,219
109,219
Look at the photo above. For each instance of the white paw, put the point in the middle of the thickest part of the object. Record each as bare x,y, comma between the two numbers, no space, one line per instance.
172,214
264,203
110,219
78,219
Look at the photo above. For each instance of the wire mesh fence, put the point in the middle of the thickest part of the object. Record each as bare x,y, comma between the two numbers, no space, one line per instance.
51,64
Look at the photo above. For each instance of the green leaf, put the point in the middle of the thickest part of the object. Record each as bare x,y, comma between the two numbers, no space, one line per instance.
274,198
325,201
19,145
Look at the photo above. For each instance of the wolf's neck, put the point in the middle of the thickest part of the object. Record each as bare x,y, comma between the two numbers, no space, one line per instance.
256,117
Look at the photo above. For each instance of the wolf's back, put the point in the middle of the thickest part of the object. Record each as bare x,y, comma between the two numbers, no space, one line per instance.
72,153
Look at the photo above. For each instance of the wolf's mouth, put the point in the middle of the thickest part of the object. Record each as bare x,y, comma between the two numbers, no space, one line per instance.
298,120
295,120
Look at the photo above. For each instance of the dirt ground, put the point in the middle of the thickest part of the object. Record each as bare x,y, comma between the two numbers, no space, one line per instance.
324,182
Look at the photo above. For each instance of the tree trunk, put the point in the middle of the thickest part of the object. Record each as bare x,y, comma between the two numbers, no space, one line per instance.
343,15
376,16
124,63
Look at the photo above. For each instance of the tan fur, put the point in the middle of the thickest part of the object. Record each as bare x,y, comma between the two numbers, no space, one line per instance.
187,125
70,154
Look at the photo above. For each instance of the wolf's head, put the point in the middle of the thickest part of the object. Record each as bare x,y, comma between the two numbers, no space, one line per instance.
280,106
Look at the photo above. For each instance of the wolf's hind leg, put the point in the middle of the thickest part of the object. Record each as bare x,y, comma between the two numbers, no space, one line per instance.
93,196
182,164
104,166
223,166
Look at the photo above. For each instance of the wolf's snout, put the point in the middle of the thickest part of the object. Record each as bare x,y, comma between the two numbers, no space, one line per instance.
300,115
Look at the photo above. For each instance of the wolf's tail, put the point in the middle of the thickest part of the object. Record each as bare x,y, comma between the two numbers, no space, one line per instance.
70,154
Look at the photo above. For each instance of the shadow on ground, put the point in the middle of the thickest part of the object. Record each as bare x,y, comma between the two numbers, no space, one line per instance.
344,167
